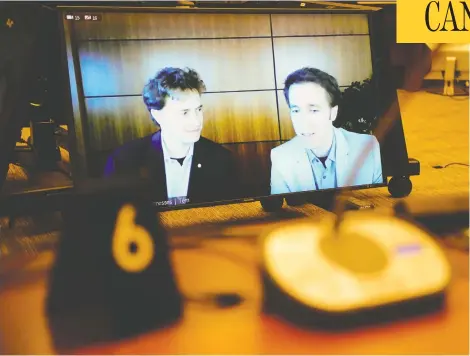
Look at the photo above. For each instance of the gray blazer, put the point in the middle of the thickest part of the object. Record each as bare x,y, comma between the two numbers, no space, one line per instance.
291,170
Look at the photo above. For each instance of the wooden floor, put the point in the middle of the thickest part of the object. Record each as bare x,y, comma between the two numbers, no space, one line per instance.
437,133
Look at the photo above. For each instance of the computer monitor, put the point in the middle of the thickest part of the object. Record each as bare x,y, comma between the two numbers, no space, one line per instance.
229,103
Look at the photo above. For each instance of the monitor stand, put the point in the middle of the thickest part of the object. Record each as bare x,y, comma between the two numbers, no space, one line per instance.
399,186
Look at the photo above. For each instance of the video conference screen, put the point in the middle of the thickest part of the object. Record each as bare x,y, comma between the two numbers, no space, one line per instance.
217,106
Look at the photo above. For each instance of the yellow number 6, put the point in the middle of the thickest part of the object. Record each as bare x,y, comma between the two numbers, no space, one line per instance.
132,245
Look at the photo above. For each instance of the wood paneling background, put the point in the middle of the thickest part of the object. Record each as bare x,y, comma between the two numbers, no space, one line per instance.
242,58
319,25
347,58
112,121
254,164
123,67
240,117
140,26
115,120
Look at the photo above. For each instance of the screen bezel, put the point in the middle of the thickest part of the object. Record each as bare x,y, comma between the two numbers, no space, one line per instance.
393,148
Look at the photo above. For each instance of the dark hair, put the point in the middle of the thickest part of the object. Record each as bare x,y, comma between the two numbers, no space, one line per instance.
314,75
169,79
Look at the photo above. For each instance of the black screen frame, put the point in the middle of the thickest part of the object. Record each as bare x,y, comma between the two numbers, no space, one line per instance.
393,147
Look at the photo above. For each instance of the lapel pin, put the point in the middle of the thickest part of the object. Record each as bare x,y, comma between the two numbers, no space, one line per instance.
10,23
199,165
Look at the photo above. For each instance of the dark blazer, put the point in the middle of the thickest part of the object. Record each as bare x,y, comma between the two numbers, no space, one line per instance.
212,177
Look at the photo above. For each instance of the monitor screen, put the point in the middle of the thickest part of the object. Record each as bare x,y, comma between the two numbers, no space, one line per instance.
223,106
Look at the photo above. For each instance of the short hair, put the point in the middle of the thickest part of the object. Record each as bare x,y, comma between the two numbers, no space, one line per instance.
169,79
317,76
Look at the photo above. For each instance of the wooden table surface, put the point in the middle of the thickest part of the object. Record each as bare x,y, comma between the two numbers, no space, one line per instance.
205,329
244,329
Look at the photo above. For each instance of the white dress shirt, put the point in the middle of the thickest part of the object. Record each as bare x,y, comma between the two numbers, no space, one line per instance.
177,176
292,171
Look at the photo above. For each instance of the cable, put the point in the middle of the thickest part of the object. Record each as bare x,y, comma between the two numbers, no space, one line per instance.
221,300
451,164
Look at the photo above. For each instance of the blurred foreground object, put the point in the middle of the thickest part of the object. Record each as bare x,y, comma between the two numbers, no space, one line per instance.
113,277
371,271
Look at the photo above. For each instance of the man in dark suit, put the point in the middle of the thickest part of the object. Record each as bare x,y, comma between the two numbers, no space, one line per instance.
185,167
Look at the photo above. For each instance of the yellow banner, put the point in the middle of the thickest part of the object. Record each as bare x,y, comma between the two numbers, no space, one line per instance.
433,21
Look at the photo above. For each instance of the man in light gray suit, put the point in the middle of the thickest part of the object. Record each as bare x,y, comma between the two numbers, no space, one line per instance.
320,156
